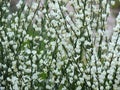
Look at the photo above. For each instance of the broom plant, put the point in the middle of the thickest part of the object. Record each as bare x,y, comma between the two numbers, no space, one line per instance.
47,46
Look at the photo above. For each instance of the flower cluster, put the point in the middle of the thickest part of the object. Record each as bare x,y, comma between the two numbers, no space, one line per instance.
58,45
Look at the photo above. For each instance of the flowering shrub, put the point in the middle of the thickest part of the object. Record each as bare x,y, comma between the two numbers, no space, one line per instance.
49,47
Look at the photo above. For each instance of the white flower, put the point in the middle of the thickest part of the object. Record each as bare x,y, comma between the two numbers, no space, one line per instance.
64,88
28,62
34,58
110,77
26,8
28,70
30,16
112,2
57,72
34,52
15,46
4,8
78,83
88,83
63,80
11,42
9,17
16,19
34,66
28,51
56,6
100,32
8,79
79,88
82,39
14,80
59,64
20,67
15,87
107,87
99,69
34,6
35,76
10,34
107,63
44,11
23,32
68,18
101,88
48,87
19,4
93,70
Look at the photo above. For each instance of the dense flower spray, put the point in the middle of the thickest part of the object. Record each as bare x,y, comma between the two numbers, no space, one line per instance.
58,45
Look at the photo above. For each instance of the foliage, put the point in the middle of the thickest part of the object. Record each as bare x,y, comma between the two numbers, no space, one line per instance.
52,47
